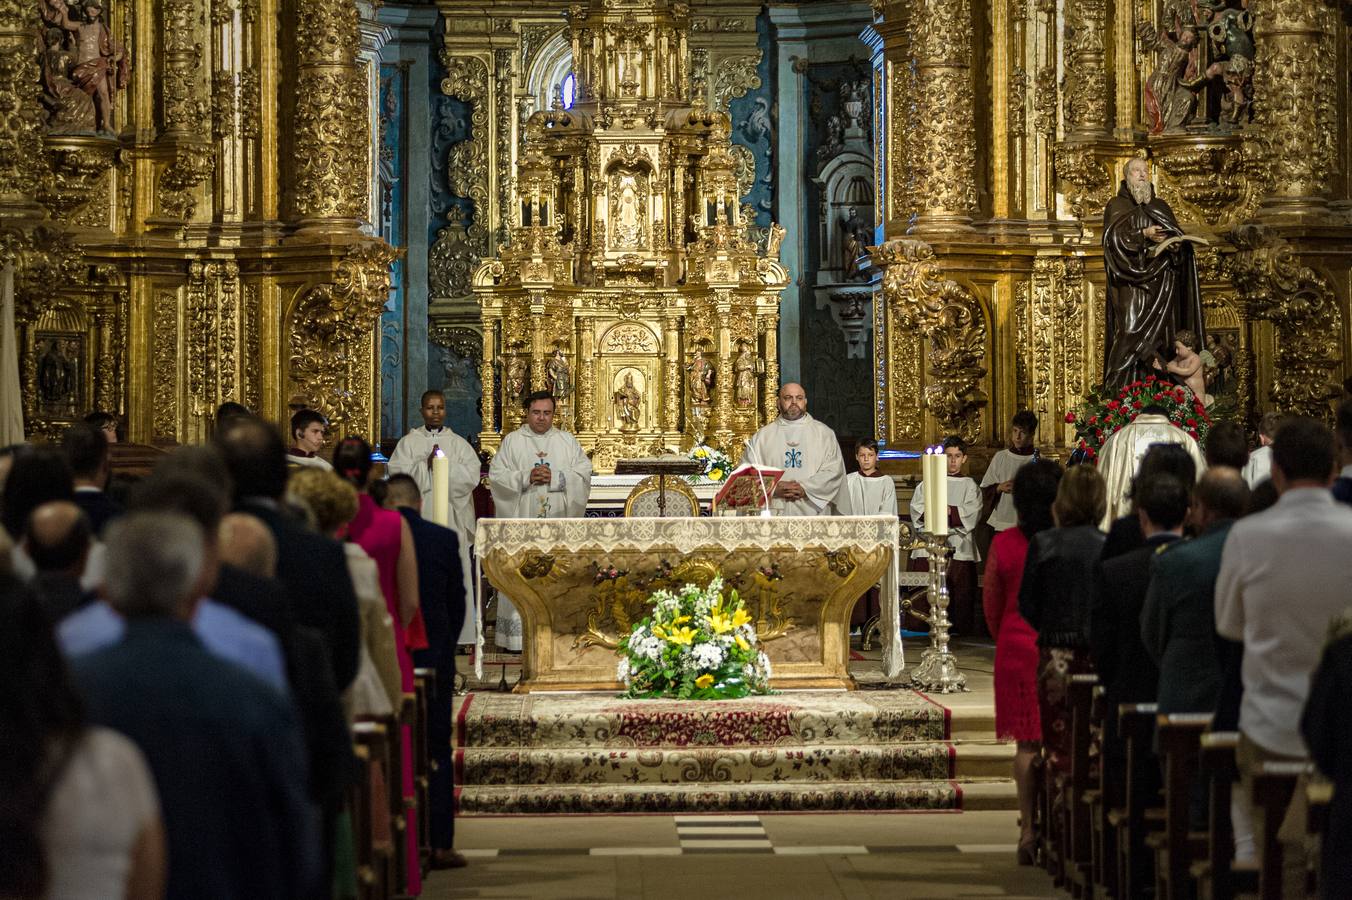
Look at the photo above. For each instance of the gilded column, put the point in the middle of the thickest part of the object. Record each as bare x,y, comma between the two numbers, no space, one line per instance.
330,123
489,403
21,157
720,423
671,373
771,391
1294,81
586,370
942,123
1086,89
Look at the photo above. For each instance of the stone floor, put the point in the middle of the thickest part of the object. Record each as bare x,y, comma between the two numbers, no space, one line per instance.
828,855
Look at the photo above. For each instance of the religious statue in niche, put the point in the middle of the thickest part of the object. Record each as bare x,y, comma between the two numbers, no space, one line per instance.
560,375
852,245
702,374
744,378
83,68
1153,292
460,375
1229,26
517,377
627,403
628,217
1171,89
59,376
1203,76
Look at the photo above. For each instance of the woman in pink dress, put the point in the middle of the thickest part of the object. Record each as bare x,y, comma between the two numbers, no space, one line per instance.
386,538
1016,652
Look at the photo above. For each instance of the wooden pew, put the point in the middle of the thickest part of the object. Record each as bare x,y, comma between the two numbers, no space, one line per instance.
1100,799
1274,784
1138,816
1051,795
1218,876
424,681
404,812
1078,836
371,819
1178,846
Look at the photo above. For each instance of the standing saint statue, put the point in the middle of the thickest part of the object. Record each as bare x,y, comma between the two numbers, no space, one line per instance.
98,64
744,372
560,375
1152,294
701,378
627,402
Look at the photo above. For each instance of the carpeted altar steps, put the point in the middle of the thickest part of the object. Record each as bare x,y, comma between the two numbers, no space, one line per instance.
798,751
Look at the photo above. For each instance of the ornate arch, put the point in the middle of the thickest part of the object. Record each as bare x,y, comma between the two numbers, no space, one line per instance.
548,68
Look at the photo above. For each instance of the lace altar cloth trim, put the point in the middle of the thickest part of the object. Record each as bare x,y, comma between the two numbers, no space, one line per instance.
686,535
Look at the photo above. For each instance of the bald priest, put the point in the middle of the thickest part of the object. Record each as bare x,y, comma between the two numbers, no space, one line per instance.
807,451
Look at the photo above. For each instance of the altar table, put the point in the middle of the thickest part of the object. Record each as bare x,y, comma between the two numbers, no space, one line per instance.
580,584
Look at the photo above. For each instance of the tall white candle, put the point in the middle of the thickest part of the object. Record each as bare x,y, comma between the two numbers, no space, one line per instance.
440,512
931,481
941,495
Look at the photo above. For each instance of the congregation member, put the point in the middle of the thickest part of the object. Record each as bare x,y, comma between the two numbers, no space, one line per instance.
57,542
1283,577
1227,445
38,475
1342,485
868,492
1161,459
807,451
442,591
387,539
105,422
1123,451
997,485
1016,653
1259,466
1327,730
86,451
247,545
539,472
1054,596
963,514
309,429
413,456
310,566
80,816
224,748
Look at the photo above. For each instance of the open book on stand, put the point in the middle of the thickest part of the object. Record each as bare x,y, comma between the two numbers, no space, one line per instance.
1178,239
747,486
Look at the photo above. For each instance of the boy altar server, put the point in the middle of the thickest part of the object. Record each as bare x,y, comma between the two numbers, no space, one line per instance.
413,457
806,450
868,492
999,478
964,510
539,472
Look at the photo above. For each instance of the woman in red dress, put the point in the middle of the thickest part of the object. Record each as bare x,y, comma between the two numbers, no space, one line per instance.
1016,652
386,538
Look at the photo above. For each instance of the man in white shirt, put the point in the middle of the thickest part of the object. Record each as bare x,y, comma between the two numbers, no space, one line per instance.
1121,456
806,450
998,482
1283,576
1259,466
413,457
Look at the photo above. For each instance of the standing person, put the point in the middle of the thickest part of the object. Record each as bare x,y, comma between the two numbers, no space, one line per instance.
1058,580
80,817
1342,485
308,431
1125,449
225,749
1259,466
1328,731
1226,445
442,590
1125,535
1016,655
413,457
997,485
1283,577
86,450
105,422
868,492
539,472
806,450
963,513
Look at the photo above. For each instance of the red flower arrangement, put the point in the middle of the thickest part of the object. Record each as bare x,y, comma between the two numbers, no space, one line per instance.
1100,415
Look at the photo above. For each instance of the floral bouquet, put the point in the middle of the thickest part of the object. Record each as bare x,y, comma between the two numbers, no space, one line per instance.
696,645
716,463
1102,413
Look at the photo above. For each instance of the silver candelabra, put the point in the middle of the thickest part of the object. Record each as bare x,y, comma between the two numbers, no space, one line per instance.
937,671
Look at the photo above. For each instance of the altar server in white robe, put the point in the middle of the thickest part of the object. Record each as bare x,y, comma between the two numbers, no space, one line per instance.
963,513
867,492
413,457
998,484
539,472
806,450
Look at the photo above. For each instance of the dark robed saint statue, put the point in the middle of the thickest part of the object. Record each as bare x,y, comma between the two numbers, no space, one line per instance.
1151,297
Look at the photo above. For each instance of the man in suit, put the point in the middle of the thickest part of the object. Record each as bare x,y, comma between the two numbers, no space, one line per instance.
86,450
312,567
441,589
58,541
224,748
1342,485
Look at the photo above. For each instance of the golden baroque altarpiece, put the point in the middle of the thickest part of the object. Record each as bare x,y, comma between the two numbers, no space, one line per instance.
184,188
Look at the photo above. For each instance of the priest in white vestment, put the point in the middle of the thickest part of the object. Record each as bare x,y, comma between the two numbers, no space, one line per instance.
1122,453
539,472
413,457
806,450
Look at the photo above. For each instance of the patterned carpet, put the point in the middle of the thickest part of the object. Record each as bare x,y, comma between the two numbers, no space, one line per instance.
811,750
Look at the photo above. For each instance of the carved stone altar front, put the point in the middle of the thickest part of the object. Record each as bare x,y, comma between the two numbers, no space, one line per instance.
580,584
